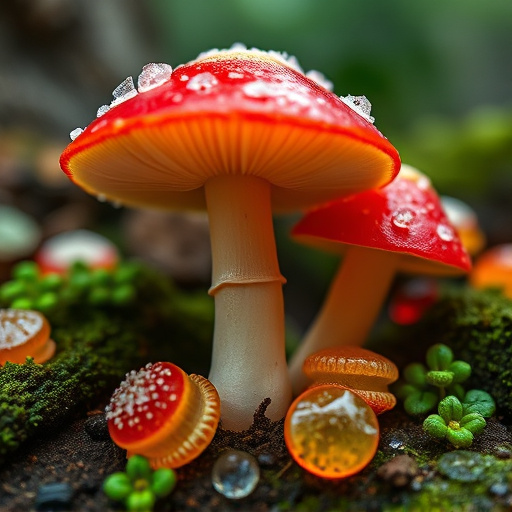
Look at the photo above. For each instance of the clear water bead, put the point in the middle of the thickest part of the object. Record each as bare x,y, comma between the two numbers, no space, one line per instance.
235,474
202,82
403,218
153,75
445,232
359,104
124,91
75,133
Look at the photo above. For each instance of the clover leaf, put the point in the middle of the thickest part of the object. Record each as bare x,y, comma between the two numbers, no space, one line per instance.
140,486
453,424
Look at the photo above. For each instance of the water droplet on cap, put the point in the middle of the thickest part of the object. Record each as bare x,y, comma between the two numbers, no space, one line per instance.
202,82
403,218
153,75
445,232
359,104
75,133
124,91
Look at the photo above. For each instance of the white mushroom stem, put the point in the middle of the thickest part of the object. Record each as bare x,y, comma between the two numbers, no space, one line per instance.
248,358
349,311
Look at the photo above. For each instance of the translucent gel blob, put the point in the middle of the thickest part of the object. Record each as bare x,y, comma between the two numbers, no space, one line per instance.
331,432
235,474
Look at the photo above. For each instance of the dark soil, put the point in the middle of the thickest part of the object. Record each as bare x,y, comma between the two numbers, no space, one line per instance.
82,455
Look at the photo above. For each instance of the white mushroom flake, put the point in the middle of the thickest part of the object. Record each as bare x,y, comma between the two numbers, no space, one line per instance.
359,104
320,79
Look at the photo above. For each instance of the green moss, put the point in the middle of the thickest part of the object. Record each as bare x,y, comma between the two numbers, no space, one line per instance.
484,474
96,345
477,325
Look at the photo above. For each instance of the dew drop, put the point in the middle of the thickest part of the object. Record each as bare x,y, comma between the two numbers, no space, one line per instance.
261,89
124,91
202,82
102,110
403,218
445,232
359,104
75,133
235,75
235,474
153,75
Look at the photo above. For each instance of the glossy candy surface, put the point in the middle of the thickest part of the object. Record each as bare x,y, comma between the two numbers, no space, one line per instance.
164,414
331,432
235,474
24,333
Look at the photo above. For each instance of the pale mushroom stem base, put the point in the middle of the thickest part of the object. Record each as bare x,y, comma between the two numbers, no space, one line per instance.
349,311
248,357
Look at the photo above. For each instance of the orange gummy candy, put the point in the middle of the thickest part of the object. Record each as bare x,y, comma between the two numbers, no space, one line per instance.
331,432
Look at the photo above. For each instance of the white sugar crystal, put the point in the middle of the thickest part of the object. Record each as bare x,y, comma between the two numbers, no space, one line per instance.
153,75
124,91
320,79
75,133
102,110
359,104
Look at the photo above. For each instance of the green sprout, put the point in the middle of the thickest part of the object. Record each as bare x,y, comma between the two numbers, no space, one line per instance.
453,424
423,386
139,487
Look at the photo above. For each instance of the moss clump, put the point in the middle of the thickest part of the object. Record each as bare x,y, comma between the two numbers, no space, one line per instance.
96,345
477,325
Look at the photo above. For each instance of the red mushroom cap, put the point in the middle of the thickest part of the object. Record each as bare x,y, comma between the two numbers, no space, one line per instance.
164,414
230,112
405,217
145,401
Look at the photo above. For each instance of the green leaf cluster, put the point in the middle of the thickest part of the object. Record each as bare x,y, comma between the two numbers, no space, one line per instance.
80,285
139,487
454,424
423,386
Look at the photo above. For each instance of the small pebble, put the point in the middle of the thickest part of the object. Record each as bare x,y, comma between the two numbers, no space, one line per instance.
54,497
399,471
235,474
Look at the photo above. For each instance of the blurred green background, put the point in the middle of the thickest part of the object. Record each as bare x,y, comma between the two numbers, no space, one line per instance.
438,74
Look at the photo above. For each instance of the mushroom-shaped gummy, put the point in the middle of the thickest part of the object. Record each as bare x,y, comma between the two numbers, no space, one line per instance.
238,132
24,333
60,252
365,373
164,414
398,228
493,269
